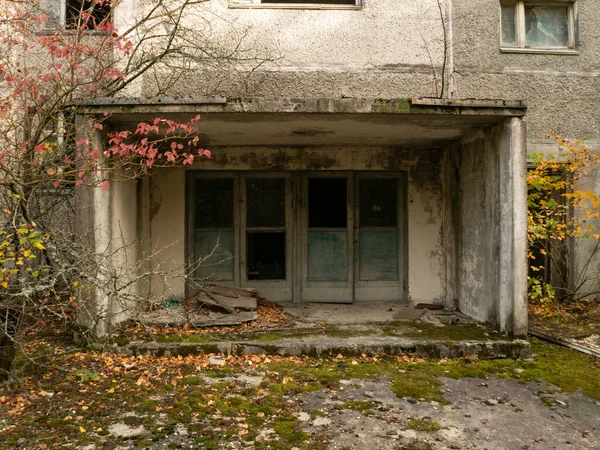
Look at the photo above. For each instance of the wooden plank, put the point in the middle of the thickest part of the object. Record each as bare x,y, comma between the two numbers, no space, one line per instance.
231,292
232,303
564,343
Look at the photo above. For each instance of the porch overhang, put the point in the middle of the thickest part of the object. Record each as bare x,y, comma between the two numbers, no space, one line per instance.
347,122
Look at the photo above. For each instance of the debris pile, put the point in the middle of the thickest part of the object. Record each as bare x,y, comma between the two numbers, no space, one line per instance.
218,306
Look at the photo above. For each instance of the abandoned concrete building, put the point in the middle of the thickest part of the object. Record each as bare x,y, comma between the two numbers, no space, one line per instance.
380,157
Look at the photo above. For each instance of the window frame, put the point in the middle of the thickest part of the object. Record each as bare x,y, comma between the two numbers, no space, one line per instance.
520,34
257,4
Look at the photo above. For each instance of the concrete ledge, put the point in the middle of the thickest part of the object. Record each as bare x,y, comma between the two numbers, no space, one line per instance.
323,105
317,346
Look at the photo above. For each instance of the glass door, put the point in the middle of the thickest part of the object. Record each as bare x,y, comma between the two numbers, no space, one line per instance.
327,244
267,236
212,219
380,219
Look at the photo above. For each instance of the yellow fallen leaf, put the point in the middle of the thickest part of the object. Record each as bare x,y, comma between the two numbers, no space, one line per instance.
81,429
111,390
39,246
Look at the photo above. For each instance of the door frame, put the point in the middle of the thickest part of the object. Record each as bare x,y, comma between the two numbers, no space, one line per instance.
339,291
285,287
383,290
190,177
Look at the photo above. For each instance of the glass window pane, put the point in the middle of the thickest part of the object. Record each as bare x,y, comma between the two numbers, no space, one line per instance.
378,203
213,203
266,256
213,255
265,202
327,206
327,255
547,26
509,33
378,255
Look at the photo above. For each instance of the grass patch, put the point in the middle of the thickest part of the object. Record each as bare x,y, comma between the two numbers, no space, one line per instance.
424,425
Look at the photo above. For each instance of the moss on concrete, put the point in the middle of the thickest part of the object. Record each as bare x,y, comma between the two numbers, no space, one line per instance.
424,425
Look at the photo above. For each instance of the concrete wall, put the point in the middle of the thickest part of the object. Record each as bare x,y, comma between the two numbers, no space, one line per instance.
490,228
425,255
385,49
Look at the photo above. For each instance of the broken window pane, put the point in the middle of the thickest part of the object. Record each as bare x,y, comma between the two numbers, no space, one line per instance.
378,202
266,256
327,206
86,14
547,26
509,33
265,202
213,203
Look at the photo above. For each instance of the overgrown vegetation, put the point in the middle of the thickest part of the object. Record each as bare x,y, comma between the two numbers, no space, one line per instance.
563,228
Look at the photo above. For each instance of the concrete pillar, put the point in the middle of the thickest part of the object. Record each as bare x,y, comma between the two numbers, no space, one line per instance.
512,296
108,222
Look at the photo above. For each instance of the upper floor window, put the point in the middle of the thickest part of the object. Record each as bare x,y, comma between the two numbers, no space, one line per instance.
538,26
86,14
296,4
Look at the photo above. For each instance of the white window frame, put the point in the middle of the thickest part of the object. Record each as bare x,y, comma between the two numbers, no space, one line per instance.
521,45
259,5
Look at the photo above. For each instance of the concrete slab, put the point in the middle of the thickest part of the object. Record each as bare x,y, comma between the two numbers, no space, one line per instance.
356,313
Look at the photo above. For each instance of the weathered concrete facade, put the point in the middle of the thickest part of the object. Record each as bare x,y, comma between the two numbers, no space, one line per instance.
321,92
453,246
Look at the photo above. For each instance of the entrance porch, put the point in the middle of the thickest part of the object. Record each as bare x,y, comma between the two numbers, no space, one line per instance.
332,200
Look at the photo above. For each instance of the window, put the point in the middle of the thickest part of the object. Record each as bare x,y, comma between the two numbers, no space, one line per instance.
535,26
86,14
296,4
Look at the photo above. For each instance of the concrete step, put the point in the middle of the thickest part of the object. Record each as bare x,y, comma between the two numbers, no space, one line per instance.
346,346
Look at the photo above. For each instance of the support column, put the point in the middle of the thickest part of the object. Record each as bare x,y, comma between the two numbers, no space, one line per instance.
512,299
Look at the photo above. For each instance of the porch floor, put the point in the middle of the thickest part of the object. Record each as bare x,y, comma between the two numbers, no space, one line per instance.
364,312
350,330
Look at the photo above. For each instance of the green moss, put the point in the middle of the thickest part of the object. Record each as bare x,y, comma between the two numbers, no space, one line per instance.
424,425
188,338
359,405
193,381
289,429
547,401
222,372
418,384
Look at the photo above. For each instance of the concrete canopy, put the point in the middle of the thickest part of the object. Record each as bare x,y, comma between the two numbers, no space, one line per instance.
476,173
408,123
